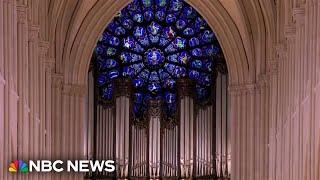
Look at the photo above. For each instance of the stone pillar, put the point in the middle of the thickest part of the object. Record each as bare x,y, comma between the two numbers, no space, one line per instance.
186,126
122,107
249,131
154,116
72,125
23,109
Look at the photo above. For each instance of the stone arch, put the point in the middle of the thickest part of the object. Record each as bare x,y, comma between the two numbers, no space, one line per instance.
77,56
87,22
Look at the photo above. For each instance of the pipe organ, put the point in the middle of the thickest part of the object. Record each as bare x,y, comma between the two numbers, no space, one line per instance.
139,150
169,150
194,146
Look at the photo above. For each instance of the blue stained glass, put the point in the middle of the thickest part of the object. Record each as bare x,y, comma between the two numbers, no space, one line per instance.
171,48
188,32
140,32
173,58
128,23
176,5
148,15
107,92
129,42
154,58
170,18
111,63
138,18
208,66
144,74
196,64
169,83
128,71
138,83
137,67
153,43
154,39
169,33
127,57
180,72
170,68
160,15
188,12
205,80
207,36
100,50
120,31
154,28
113,74
181,24
136,109
163,41
101,64
197,52
179,43
111,51
154,87
102,79
161,3
194,42
138,97
170,97
163,74
194,74
183,58
146,3
154,76
200,23
114,41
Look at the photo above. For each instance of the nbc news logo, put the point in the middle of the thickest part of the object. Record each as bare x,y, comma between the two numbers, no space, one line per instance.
18,166
59,166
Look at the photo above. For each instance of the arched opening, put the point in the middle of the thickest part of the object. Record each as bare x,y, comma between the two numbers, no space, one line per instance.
158,95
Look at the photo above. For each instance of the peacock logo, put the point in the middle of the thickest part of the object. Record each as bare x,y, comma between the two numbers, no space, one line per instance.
18,166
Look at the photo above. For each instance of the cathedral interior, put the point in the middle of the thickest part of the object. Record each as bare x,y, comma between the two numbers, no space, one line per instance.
168,89
159,95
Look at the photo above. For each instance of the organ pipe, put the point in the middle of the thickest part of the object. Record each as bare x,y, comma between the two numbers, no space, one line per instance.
186,121
197,145
122,108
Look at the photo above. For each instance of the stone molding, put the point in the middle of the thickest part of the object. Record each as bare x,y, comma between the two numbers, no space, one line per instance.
281,50
57,81
299,15
33,32
273,66
44,48
242,89
290,31
74,90
22,13
50,65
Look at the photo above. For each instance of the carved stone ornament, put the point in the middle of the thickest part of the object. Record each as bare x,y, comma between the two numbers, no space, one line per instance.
155,108
123,87
186,87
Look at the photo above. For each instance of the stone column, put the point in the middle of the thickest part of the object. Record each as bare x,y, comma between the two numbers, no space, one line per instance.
72,125
23,109
186,126
122,107
249,131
